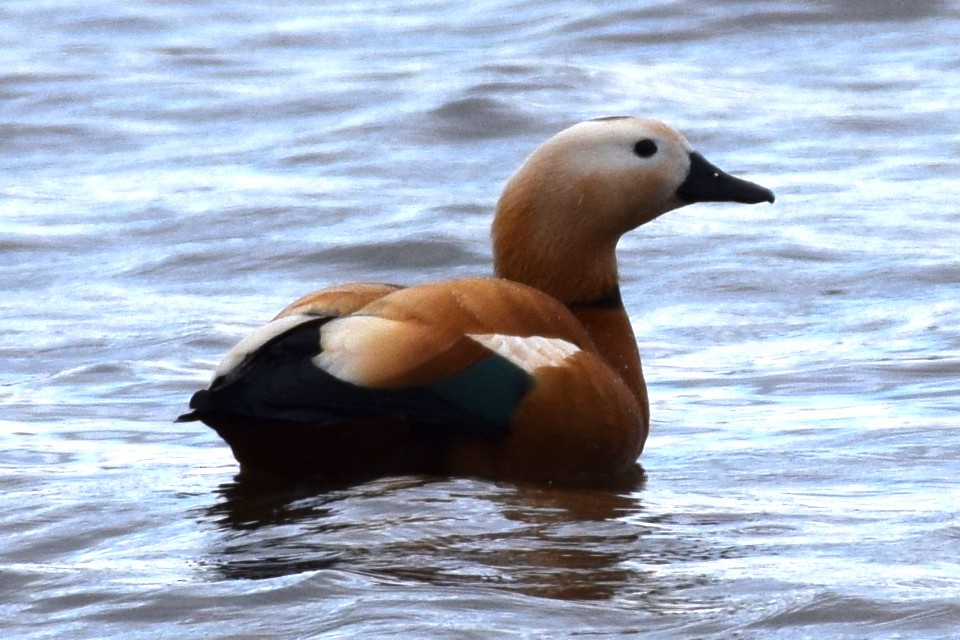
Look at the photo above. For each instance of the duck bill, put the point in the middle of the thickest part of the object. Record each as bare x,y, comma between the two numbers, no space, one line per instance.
707,183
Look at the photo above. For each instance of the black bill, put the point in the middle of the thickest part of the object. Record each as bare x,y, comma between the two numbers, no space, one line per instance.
707,183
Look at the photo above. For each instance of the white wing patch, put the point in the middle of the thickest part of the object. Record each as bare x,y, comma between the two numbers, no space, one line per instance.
528,352
347,343
256,340
372,351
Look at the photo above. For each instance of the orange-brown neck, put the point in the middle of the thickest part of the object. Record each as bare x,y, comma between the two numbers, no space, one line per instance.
609,326
542,241
549,253
579,271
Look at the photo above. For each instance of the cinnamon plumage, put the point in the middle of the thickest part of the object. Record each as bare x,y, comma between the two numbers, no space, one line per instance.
531,375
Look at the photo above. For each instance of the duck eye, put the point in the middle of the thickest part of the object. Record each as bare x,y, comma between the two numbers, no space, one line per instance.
645,148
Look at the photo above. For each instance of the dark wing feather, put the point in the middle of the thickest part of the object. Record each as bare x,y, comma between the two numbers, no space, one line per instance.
279,381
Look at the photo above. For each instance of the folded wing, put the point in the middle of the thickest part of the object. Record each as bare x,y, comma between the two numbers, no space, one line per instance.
433,357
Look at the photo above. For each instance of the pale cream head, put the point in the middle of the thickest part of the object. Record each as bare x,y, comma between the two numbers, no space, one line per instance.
622,172
562,213
578,193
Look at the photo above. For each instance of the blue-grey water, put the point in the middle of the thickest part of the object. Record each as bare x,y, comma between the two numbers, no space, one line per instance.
174,173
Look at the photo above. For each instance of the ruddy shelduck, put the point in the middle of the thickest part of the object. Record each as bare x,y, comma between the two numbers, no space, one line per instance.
530,375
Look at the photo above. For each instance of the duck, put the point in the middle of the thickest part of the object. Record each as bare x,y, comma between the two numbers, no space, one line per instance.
531,375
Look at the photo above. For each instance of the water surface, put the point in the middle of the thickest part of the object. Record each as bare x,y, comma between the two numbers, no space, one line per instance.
174,173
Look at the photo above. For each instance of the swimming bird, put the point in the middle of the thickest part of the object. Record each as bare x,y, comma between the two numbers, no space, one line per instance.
533,374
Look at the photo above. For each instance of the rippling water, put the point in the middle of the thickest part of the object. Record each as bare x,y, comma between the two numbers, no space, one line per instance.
173,173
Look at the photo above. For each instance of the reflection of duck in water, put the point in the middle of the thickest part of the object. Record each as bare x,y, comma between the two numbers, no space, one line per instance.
533,375
410,532
556,542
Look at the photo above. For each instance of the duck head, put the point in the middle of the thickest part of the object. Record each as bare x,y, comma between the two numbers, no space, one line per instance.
562,213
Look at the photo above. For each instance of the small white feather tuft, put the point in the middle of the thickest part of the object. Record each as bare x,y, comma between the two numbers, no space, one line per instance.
528,352
361,349
256,340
